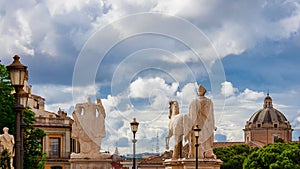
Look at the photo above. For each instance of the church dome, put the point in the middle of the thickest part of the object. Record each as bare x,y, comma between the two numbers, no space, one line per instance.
267,115
267,125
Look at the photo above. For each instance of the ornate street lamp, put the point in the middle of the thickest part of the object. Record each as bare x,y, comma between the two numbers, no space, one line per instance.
197,133
134,127
17,73
23,96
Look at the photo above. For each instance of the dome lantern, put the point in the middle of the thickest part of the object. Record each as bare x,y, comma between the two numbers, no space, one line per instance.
268,102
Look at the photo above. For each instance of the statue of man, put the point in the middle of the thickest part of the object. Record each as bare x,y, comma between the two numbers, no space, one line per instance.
201,113
89,127
7,141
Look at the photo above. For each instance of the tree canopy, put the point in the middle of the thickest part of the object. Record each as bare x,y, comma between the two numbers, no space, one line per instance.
275,156
233,156
7,116
5,159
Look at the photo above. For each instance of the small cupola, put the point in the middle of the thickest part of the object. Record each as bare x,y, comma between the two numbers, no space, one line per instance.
268,102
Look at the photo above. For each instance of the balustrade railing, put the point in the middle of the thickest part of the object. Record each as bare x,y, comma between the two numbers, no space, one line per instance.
52,121
54,154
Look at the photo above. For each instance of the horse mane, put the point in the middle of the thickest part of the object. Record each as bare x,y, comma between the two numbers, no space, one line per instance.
171,103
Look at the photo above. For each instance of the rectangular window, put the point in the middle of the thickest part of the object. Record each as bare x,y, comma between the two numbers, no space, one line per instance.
275,138
54,147
73,145
56,167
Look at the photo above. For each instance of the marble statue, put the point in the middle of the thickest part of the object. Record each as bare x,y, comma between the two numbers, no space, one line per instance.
7,142
177,128
89,128
201,113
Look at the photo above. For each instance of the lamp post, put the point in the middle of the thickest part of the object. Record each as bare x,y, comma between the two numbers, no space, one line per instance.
17,73
197,133
134,127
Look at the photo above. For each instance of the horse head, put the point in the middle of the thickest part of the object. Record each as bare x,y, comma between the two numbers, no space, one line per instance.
173,108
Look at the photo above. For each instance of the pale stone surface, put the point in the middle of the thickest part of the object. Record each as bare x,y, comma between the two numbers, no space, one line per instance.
90,163
173,164
202,163
176,128
7,141
89,128
205,163
201,113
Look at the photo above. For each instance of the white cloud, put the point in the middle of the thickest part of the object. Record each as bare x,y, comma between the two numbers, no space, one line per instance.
235,28
62,96
67,6
146,88
31,28
181,57
36,27
155,90
177,7
16,35
110,102
251,95
239,107
290,25
187,93
228,89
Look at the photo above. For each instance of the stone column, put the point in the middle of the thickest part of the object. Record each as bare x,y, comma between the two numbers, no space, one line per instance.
68,142
47,144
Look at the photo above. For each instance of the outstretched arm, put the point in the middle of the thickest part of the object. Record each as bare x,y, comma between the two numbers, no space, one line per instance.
100,107
78,108
12,139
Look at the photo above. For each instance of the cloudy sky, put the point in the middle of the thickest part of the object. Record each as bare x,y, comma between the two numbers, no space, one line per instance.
138,55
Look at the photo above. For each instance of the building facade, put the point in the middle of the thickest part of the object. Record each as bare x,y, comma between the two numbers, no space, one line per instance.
57,144
267,125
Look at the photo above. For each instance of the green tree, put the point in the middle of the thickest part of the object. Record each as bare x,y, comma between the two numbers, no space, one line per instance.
33,154
275,156
5,159
233,156
7,116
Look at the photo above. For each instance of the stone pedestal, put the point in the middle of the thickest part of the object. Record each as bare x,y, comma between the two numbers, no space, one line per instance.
90,163
173,164
206,163
190,163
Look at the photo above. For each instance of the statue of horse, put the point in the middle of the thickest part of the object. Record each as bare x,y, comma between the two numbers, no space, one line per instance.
176,128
